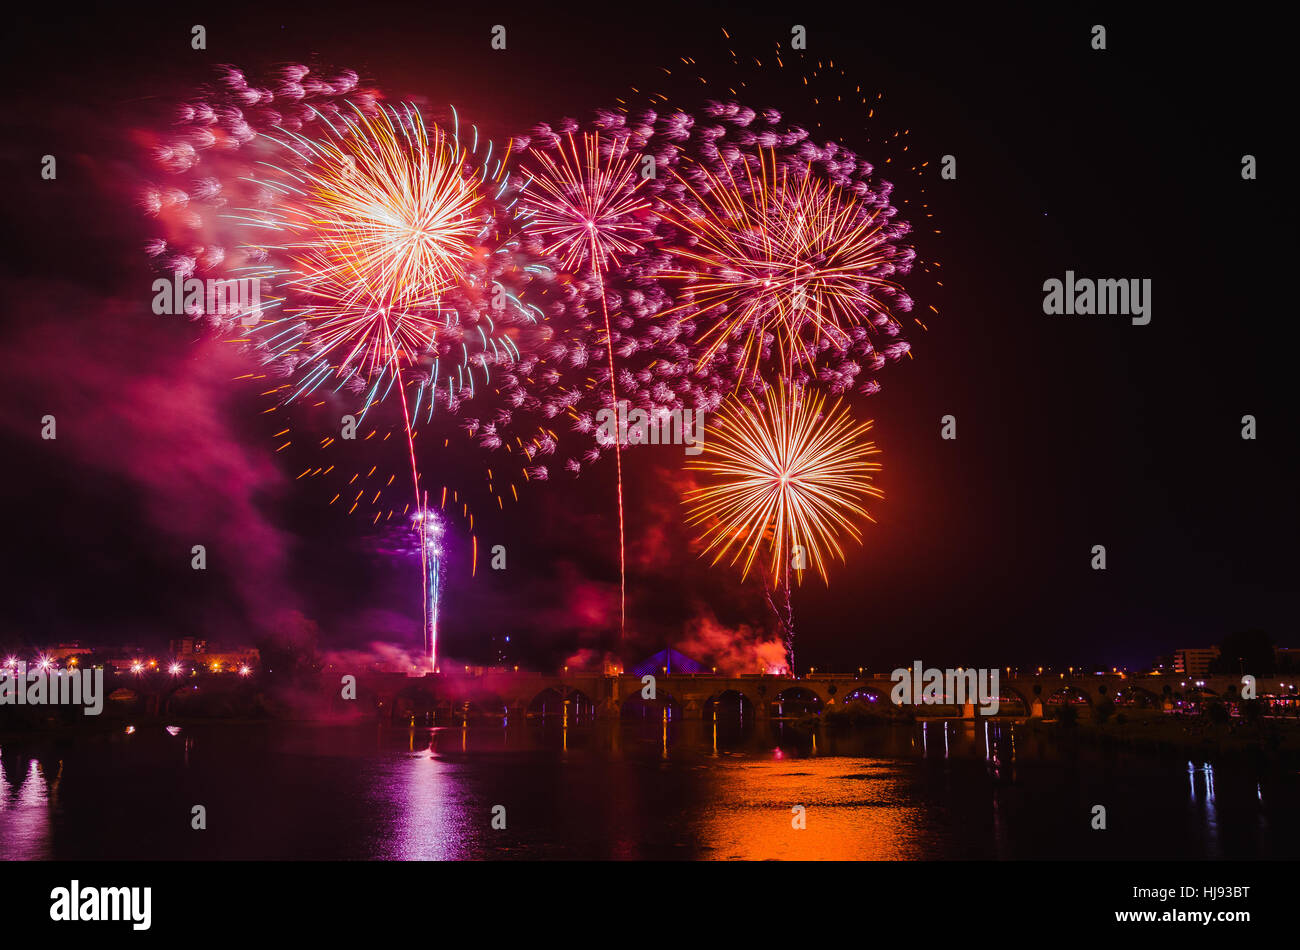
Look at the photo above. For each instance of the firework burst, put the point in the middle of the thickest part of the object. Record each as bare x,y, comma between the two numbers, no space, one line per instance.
380,213
823,209
786,477
776,252
550,279
585,201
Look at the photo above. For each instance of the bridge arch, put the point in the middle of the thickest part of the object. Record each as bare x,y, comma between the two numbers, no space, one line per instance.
561,701
1136,697
1017,699
730,704
416,696
1068,693
796,701
484,704
865,694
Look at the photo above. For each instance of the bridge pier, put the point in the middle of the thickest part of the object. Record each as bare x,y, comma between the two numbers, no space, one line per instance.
608,708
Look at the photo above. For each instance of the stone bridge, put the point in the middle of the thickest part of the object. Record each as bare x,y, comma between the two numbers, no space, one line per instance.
698,695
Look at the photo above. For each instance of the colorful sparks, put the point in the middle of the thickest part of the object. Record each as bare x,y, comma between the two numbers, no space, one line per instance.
785,478
661,260
777,252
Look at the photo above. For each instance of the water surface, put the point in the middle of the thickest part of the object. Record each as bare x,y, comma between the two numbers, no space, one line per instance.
625,791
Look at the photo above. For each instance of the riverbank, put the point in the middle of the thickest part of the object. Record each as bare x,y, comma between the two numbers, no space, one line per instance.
1195,737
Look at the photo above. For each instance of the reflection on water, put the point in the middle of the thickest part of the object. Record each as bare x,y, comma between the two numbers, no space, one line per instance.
26,801
722,789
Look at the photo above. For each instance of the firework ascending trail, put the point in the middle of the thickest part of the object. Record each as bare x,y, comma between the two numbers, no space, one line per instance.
428,529
585,204
785,477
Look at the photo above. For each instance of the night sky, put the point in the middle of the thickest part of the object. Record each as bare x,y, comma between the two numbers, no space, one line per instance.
1072,430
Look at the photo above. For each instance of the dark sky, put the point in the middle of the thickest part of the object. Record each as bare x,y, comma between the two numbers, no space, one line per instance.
1072,430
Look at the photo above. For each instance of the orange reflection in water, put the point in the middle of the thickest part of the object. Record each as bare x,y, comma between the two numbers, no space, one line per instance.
854,810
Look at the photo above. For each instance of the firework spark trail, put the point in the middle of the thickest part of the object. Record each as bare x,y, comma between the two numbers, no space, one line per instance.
429,536
585,205
429,627
787,476
618,466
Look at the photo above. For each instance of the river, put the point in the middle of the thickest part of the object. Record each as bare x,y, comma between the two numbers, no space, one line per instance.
933,790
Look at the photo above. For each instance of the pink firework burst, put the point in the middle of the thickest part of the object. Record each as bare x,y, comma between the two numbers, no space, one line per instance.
585,201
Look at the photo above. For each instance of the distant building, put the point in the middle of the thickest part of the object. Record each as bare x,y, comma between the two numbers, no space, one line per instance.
126,659
231,660
189,650
63,651
1195,661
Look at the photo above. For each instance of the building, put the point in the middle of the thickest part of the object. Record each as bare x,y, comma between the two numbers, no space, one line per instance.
191,651
1163,664
63,652
1195,661
131,663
